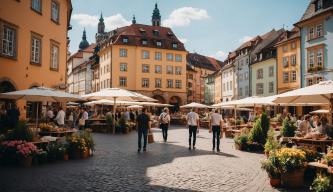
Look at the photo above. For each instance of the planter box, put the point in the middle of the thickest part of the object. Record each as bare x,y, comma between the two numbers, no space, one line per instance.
293,179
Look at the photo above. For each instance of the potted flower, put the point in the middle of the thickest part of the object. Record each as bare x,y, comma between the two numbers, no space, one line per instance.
74,143
271,143
241,142
271,166
25,152
292,165
321,184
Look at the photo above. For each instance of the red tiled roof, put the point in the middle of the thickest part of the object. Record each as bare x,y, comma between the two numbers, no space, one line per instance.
289,35
136,33
79,54
202,61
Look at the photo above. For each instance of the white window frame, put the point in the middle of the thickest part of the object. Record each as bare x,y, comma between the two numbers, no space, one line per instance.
55,9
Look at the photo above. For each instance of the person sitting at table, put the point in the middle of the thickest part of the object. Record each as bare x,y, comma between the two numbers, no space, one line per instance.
50,114
60,118
304,127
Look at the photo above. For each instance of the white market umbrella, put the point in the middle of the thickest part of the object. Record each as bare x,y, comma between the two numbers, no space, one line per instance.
110,102
320,111
318,93
38,94
134,107
194,105
116,93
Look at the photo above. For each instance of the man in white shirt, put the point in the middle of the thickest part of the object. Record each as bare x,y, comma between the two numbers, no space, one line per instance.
193,126
164,120
216,126
60,118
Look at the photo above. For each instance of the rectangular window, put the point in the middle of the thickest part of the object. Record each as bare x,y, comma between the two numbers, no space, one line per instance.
158,69
260,73
271,87
285,61
159,44
285,48
122,52
174,45
145,68
271,71
230,85
178,84
8,41
223,86
145,54
169,69
158,56
107,83
145,82
178,70
246,76
178,58
123,66
293,60
319,30
36,45
319,79
123,81
320,57
144,42
125,40
311,33
36,5
169,83
293,76
260,88
293,45
169,56
240,91
55,11
285,77
158,83
54,56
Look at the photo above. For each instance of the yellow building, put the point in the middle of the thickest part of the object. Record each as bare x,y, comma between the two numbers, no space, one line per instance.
288,61
143,58
33,46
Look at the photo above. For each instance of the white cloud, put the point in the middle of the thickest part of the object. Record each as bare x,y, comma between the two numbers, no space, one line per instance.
245,38
184,15
183,40
111,22
220,55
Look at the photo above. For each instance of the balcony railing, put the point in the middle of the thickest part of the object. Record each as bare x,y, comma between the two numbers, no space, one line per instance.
314,69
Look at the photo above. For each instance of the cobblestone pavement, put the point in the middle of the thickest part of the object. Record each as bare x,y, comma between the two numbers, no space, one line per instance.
116,166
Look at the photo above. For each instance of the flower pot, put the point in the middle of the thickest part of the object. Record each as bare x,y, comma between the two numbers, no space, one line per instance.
85,154
75,154
293,179
275,182
26,162
66,157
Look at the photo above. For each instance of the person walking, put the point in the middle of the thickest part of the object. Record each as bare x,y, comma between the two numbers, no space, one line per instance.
193,127
60,118
142,123
216,126
164,123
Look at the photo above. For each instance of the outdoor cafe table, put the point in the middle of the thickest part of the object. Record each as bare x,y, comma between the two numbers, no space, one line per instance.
320,166
317,143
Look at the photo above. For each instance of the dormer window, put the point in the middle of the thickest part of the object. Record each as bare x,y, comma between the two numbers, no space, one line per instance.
319,4
125,40
144,42
159,44
174,45
156,32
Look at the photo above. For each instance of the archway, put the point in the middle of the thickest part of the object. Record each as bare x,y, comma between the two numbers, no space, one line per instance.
6,86
160,98
176,102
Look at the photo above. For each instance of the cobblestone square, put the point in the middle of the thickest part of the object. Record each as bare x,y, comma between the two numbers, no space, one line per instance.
116,166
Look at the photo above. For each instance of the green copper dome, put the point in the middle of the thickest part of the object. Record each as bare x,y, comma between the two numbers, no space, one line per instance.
84,43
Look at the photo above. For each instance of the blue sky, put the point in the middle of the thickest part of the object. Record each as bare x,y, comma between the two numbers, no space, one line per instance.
209,27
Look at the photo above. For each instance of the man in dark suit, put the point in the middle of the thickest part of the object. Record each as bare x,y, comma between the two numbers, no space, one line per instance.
142,123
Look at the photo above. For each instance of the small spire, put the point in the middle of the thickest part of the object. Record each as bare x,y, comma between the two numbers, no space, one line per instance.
156,5
133,20
84,36
101,19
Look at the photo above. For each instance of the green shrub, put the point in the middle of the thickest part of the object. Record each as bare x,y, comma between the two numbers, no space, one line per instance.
288,128
241,141
271,166
122,123
109,122
271,143
264,123
21,132
256,134
321,184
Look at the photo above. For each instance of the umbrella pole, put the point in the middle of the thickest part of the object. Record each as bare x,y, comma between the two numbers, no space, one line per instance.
114,115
